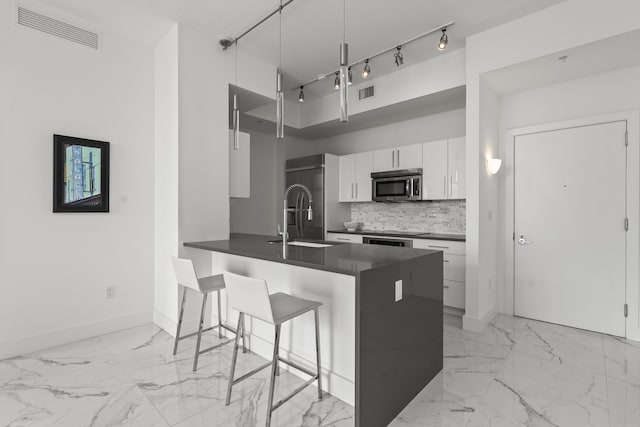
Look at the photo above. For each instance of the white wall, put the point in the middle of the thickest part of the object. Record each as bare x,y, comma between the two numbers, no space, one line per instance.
166,175
605,93
581,22
204,72
421,129
258,213
54,267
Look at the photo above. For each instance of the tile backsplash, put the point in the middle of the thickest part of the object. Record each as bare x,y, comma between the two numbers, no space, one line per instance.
446,216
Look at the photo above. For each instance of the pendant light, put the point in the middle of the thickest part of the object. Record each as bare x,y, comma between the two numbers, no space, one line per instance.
279,93
344,68
236,111
301,96
336,81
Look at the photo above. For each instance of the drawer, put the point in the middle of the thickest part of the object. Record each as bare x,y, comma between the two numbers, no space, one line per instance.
454,267
340,237
453,294
446,246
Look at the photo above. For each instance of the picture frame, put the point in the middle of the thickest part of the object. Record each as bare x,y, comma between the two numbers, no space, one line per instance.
80,175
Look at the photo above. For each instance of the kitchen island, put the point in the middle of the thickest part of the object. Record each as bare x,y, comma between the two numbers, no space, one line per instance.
380,322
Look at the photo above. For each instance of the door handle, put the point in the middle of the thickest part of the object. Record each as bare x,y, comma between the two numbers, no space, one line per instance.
398,156
522,241
393,159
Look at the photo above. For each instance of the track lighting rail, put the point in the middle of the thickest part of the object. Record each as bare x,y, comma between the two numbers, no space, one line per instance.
369,57
235,40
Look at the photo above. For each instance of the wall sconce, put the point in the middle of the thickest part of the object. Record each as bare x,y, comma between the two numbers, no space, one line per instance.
493,166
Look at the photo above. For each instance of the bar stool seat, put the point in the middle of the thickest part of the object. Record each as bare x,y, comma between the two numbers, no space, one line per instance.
251,297
285,307
186,276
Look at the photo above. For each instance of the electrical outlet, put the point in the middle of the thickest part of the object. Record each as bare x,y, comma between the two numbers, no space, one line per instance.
398,290
110,292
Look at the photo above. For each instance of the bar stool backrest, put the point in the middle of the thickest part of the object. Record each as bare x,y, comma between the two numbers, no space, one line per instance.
248,295
185,273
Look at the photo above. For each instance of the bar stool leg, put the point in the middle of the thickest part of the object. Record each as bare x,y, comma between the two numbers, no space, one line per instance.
274,367
233,359
204,306
244,345
219,316
315,312
184,297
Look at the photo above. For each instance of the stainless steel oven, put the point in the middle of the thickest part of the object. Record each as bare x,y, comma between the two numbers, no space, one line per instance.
388,241
397,186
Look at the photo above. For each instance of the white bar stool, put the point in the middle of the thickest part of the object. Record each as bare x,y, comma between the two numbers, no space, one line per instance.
186,276
251,296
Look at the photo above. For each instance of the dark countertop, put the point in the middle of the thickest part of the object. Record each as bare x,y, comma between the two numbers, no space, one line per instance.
344,258
406,234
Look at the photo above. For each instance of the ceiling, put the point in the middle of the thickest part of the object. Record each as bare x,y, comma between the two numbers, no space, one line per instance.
311,30
594,58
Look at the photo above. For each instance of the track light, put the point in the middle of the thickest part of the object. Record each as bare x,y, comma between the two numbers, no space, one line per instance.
444,40
367,69
350,77
301,96
336,81
399,59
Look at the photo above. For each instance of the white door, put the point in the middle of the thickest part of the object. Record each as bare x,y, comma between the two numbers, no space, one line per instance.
570,207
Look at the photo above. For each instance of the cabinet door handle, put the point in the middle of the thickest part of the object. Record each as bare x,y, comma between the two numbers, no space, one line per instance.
398,156
356,190
445,286
445,260
444,185
439,247
352,190
451,185
393,159
342,238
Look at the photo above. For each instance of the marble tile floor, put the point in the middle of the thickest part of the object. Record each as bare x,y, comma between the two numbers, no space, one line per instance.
517,372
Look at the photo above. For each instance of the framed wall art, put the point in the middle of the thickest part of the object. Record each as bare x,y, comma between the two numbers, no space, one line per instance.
80,175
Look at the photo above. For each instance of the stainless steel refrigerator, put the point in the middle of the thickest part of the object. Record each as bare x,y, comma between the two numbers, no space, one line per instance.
310,172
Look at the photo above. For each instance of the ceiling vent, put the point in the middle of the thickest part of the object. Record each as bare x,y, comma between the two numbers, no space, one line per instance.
365,93
55,27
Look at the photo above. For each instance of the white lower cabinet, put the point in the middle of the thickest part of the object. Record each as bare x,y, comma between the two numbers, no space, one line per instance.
343,237
453,268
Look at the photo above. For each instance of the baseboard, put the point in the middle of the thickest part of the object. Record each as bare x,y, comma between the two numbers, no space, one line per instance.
453,311
65,336
477,324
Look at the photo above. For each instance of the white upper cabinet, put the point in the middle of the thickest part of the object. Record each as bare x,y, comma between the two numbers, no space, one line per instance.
457,164
403,157
355,177
434,170
240,166
443,171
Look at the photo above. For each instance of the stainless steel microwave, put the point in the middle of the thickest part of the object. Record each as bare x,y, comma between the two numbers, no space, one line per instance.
397,185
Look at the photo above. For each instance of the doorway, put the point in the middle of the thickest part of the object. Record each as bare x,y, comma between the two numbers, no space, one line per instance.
570,240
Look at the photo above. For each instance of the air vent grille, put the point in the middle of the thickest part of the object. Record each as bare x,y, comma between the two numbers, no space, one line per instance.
46,24
367,92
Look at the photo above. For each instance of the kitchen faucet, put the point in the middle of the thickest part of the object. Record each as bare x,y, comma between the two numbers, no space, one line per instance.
286,209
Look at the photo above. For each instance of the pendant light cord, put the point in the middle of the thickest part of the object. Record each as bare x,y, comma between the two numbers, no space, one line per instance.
344,21
280,41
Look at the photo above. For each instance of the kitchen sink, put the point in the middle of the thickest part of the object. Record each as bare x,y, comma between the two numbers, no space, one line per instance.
309,244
